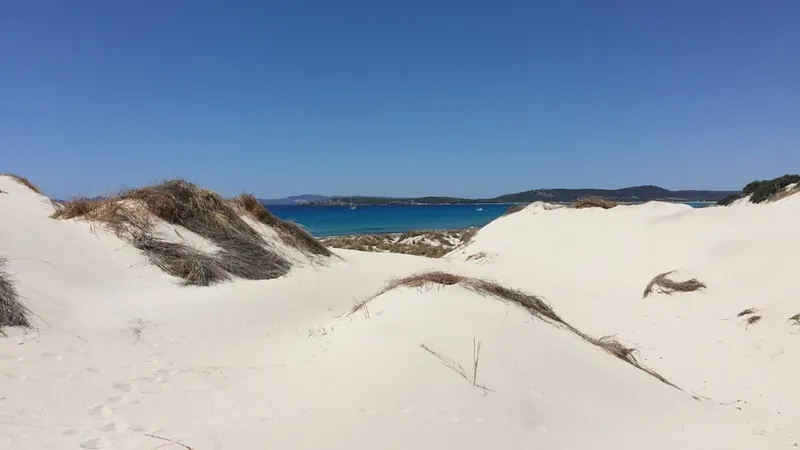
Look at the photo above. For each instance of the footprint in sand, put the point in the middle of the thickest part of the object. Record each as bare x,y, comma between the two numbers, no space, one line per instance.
369,412
127,386
94,442
16,377
53,356
120,400
101,411
115,426
155,379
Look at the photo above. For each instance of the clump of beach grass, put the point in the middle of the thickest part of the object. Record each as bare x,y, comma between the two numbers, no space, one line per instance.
667,286
515,209
533,304
290,233
182,261
24,181
243,251
593,202
752,320
746,312
795,318
476,256
12,312
431,244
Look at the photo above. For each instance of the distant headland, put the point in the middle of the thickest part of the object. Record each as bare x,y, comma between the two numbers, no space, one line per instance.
625,195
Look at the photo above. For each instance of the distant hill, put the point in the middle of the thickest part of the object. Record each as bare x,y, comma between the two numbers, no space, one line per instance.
294,200
629,194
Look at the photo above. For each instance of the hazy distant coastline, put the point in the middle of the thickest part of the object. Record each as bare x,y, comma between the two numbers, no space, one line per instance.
636,194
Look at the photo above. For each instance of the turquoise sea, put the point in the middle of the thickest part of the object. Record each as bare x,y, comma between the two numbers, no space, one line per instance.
323,221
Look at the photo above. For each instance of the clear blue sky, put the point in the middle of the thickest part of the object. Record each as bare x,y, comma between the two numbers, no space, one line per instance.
399,98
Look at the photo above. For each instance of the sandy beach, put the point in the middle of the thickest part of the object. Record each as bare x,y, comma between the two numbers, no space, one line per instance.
505,343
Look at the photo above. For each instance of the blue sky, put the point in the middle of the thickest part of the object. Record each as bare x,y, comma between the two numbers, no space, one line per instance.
399,98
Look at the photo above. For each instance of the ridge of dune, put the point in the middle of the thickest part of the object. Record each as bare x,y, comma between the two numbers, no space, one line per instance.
122,356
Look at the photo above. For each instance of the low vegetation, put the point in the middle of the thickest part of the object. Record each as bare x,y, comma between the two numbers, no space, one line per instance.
535,305
291,233
477,256
668,286
515,209
761,191
795,319
752,320
593,202
746,312
243,251
12,312
431,244
24,181
729,199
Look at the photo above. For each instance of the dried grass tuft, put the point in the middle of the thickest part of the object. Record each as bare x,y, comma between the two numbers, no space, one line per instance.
752,320
795,318
124,219
24,181
667,286
593,202
746,312
12,312
476,256
531,303
201,211
784,192
290,233
244,253
468,235
515,209
182,261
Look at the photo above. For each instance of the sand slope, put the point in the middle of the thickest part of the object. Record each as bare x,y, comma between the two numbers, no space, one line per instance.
121,351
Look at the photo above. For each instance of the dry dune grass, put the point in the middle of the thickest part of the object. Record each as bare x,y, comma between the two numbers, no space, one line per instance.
24,181
244,253
515,209
290,233
12,312
593,202
531,303
785,192
667,286
746,312
179,260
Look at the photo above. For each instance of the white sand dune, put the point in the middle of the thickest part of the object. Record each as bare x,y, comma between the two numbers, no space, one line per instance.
121,352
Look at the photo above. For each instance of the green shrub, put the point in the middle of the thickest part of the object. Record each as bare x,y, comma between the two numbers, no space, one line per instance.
761,191
729,199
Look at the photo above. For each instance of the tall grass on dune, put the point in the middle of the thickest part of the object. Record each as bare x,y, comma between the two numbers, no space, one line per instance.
514,209
243,251
12,312
593,202
290,233
535,305
24,181
182,261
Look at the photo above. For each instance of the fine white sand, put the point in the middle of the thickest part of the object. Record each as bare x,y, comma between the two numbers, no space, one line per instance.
121,353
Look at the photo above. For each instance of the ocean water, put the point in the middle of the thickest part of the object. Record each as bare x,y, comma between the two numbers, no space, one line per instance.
323,221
